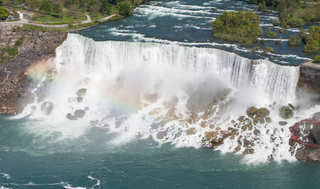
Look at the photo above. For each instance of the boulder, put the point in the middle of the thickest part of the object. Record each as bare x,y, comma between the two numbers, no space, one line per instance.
268,120
46,108
256,132
82,92
308,154
283,123
160,135
316,116
79,99
315,136
251,111
285,112
291,106
248,151
237,149
191,131
263,112
172,103
172,114
71,117
210,135
151,98
80,113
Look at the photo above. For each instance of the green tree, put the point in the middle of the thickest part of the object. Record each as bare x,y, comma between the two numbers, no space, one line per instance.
294,40
4,13
124,8
46,6
316,59
262,6
58,9
34,4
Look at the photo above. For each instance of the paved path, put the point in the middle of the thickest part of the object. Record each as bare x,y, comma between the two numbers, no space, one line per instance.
25,21
310,64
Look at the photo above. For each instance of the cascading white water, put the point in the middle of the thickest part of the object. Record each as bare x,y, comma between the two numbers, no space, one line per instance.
130,84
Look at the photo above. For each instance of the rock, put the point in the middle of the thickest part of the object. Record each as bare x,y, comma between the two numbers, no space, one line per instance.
205,117
210,105
268,120
80,113
139,135
241,118
211,126
308,154
151,98
210,135
46,108
285,112
160,135
203,124
282,123
316,116
251,111
79,99
172,114
237,149
81,92
86,108
315,136
71,117
248,151
291,106
256,132
261,120
172,103
191,131
263,112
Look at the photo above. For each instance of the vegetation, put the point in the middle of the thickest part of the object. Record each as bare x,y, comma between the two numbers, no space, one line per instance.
278,42
294,40
4,13
271,34
7,53
238,26
276,22
255,49
313,40
268,49
262,6
262,42
316,59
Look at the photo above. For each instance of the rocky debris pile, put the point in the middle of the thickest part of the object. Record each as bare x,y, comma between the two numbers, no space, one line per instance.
310,133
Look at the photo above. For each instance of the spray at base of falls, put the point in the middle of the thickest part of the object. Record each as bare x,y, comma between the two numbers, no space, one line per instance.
188,96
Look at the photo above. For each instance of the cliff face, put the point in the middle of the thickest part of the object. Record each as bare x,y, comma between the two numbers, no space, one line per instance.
309,77
19,49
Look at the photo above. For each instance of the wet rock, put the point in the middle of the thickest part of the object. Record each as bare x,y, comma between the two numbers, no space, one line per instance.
256,132
241,118
285,112
268,120
261,120
263,112
248,151
216,142
172,114
79,99
237,149
308,154
211,126
172,103
46,108
210,135
86,108
151,98
203,124
205,117
251,111
139,135
191,131
160,135
81,92
316,116
282,123
80,113
291,106
315,136
71,117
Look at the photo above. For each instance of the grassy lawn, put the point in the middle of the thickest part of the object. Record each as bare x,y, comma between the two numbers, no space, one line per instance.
65,18
95,17
18,8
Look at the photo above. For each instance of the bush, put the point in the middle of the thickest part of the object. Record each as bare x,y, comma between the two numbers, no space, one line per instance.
124,8
262,6
4,13
276,22
272,35
255,49
262,42
316,59
294,40
268,49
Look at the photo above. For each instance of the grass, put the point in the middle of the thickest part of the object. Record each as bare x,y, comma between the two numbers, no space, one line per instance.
65,18
18,8
95,17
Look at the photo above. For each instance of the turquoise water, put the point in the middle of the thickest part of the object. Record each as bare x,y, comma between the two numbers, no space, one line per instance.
138,164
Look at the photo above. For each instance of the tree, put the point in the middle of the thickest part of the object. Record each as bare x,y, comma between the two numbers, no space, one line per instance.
4,13
124,8
46,6
262,6
316,59
294,40
34,4
57,9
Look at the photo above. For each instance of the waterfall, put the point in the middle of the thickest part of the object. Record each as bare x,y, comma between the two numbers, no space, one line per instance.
277,82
